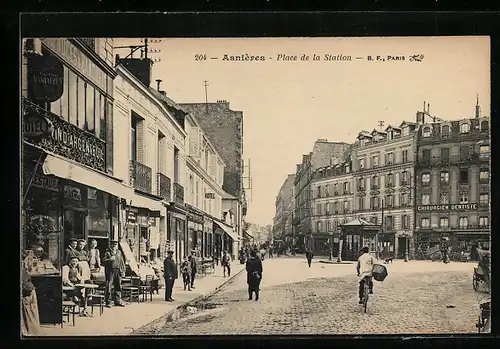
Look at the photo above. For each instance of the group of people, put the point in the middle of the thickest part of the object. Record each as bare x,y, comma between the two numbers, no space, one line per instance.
80,263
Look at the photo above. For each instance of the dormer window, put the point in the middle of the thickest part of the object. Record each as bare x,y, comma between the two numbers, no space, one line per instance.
445,130
390,135
406,131
426,132
485,126
464,128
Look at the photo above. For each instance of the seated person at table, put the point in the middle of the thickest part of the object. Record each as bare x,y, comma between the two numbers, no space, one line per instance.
72,275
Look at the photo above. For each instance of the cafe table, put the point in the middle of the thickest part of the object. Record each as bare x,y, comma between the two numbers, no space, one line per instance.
89,289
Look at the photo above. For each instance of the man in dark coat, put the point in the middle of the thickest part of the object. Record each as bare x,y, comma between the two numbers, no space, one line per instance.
309,256
71,251
170,274
114,270
194,266
254,275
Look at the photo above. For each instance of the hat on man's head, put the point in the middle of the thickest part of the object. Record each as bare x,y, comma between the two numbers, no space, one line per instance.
71,258
170,251
193,251
73,240
81,240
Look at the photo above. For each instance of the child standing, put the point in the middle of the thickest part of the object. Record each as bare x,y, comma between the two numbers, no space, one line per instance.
186,274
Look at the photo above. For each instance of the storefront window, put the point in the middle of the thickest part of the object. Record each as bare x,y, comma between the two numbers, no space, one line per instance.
41,232
97,205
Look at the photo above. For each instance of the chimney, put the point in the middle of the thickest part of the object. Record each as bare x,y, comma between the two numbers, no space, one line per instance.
141,68
420,117
478,108
158,82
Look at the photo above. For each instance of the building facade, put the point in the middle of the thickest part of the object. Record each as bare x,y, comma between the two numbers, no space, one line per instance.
152,162
224,128
70,184
282,221
205,177
324,153
453,183
332,205
383,171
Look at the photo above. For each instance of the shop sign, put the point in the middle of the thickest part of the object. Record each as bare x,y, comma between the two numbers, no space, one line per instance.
178,215
36,126
131,217
72,193
438,208
45,78
209,196
77,59
41,181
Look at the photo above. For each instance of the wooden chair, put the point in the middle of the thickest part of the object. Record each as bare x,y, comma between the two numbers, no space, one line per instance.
147,288
131,292
68,309
97,299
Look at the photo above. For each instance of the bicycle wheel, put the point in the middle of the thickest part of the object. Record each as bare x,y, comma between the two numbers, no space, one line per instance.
475,282
365,298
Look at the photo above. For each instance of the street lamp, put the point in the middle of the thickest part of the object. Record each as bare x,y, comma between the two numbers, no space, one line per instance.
406,236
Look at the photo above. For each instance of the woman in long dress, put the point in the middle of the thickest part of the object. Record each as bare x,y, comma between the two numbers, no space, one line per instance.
254,275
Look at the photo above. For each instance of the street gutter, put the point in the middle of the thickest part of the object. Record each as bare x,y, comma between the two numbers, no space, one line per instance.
335,262
184,305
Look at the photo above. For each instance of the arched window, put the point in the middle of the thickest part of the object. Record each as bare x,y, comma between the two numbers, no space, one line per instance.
464,128
426,132
445,130
463,222
485,126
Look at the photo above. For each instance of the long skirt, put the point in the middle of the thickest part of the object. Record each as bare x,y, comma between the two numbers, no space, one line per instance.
30,320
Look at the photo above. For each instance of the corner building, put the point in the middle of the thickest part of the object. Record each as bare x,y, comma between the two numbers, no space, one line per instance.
383,163
453,184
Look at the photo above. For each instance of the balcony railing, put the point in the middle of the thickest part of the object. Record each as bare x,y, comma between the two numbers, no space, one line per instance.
140,176
164,186
68,140
178,193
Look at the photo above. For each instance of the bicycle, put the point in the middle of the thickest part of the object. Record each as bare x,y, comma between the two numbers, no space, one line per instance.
366,291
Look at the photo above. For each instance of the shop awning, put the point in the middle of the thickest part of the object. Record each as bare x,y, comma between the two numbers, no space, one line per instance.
140,201
64,168
228,230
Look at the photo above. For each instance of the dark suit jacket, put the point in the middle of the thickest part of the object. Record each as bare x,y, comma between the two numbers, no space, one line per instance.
169,269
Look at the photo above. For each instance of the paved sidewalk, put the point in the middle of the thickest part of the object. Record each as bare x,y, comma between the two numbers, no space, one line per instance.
122,321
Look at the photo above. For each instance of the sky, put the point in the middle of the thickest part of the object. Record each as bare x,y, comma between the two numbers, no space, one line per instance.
288,104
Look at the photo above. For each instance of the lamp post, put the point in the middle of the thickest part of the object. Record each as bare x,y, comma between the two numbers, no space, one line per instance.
406,235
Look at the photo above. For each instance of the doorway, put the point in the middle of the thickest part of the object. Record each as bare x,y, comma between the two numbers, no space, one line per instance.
401,247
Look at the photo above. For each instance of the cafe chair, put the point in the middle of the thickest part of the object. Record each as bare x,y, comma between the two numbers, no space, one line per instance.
132,292
97,299
147,288
68,309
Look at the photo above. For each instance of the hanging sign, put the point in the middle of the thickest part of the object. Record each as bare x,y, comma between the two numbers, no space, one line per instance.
45,78
36,126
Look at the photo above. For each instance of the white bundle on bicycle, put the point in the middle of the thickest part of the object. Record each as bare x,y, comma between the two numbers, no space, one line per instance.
379,272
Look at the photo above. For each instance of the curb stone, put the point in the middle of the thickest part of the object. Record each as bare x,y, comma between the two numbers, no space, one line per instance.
187,303
331,262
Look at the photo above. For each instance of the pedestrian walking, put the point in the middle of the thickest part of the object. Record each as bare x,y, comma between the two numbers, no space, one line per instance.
30,320
254,275
114,270
309,256
193,262
170,275
226,264
186,274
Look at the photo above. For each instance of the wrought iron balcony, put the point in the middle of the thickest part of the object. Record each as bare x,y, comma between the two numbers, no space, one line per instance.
140,176
67,139
178,193
164,186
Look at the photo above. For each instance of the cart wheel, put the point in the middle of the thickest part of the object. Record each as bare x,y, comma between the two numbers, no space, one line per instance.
475,283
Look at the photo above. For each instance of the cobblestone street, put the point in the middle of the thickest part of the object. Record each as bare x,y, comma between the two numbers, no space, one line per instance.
416,297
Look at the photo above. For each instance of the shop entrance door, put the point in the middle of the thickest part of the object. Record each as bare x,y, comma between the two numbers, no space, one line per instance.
401,247
74,225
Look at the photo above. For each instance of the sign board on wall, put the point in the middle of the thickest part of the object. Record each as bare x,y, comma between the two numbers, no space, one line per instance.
440,208
45,78
209,196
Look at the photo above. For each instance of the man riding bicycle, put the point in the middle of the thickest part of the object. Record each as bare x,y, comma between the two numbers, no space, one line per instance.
364,269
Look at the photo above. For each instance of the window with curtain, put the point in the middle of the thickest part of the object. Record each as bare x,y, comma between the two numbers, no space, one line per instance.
90,113
81,106
73,98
